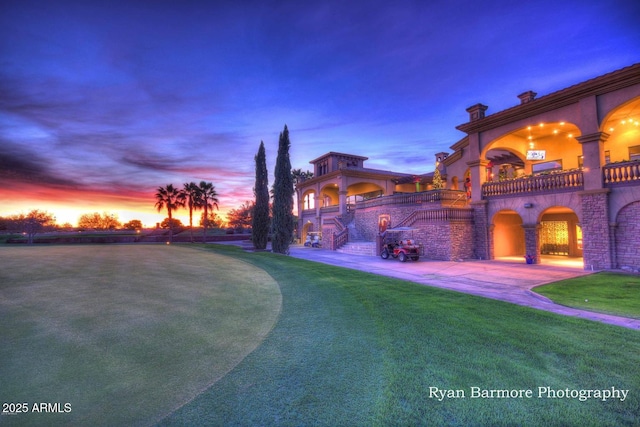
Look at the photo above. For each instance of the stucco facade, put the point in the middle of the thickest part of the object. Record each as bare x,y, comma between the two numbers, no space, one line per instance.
557,175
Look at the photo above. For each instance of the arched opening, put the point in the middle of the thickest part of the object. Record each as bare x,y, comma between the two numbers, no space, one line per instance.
306,229
627,236
623,127
361,191
309,200
536,148
329,196
508,236
560,237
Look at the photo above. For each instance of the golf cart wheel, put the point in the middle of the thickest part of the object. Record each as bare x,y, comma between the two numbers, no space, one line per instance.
402,257
415,258
384,254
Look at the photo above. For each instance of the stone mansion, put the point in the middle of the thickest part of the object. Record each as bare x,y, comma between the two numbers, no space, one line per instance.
555,175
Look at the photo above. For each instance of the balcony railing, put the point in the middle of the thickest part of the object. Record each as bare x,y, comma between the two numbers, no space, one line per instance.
438,197
553,182
621,173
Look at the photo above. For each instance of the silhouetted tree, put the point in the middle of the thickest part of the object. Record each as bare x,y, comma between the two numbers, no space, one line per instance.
193,202
97,221
283,197
32,223
134,224
260,222
209,199
171,198
172,224
213,220
241,217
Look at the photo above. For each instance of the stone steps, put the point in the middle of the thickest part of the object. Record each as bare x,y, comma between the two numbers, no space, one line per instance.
359,248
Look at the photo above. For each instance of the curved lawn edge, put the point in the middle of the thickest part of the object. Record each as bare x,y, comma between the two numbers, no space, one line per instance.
125,333
353,348
611,293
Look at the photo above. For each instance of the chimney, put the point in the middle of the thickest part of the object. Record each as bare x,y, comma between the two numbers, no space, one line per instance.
527,97
476,112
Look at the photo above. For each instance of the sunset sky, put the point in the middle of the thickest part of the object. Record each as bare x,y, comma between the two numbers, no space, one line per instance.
103,102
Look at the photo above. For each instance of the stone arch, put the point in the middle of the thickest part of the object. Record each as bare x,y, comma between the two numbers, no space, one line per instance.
329,195
622,124
560,232
627,237
363,190
507,234
308,199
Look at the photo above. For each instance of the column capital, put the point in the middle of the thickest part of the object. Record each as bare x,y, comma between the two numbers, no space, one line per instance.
592,137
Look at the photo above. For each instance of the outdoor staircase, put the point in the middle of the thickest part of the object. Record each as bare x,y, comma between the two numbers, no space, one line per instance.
358,247
356,244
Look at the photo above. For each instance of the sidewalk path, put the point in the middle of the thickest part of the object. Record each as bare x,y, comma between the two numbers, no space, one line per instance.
504,281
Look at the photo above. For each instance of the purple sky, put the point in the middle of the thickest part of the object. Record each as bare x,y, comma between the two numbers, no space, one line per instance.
102,102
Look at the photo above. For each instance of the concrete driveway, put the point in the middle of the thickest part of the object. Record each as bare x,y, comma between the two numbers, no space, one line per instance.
505,281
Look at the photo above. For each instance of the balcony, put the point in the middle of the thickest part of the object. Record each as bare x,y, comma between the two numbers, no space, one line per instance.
436,198
553,182
623,173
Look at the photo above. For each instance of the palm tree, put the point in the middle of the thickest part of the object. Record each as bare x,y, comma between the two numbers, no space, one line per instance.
209,199
193,202
172,198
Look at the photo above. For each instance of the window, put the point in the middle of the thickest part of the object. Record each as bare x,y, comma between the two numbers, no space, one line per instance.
607,157
634,153
553,165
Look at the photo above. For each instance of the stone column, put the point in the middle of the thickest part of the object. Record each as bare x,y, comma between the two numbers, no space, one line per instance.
596,238
491,244
481,230
593,158
342,197
478,177
613,226
531,239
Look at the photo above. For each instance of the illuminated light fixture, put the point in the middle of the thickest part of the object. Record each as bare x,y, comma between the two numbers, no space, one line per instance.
610,129
541,125
528,127
530,137
570,135
531,145
555,131
561,123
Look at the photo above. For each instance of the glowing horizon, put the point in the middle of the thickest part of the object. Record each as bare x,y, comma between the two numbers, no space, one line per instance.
102,103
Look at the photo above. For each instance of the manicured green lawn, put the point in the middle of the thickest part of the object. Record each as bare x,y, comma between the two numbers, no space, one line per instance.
358,349
605,292
124,333
347,348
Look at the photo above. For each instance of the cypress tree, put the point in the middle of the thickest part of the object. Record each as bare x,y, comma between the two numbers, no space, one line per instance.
283,197
260,221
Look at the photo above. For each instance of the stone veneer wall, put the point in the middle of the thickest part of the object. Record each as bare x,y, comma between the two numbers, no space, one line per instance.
441,240
595,230
482,246
327,238
628,237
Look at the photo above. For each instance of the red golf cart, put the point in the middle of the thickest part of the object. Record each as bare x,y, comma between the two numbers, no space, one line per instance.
396,244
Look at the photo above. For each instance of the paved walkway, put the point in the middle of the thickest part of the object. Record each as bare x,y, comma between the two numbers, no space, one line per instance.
500,280
506,281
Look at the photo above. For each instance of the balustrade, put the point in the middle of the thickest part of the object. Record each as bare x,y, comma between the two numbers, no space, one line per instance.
433,196
621,173
557,181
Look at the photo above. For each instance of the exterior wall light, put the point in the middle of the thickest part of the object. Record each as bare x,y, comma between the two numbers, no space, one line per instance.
528,205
